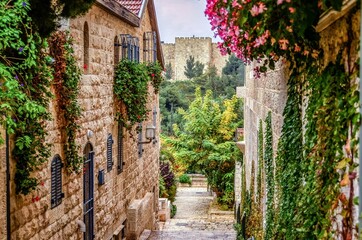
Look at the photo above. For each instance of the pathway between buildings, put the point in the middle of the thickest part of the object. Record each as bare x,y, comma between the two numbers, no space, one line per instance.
193,221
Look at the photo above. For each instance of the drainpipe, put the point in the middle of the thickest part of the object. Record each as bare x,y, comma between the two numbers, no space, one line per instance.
7,187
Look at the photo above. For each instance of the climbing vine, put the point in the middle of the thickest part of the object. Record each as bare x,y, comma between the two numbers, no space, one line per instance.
25,78
260,177
289,164
269,174
66,87
330,141
155,72
131,89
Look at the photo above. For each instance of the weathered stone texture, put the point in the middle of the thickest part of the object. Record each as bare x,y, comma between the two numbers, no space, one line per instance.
267,93
201,48
33,218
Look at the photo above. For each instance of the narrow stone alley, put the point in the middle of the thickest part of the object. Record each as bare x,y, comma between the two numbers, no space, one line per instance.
195,219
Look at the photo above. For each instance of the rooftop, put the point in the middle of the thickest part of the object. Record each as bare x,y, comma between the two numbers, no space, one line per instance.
133,5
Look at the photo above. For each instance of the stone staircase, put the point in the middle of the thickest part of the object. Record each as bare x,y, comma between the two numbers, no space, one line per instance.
198,180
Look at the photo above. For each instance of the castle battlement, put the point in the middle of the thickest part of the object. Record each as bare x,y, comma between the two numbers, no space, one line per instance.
193,38
201,48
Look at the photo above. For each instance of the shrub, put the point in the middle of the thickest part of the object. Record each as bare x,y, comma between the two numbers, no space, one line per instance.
184,178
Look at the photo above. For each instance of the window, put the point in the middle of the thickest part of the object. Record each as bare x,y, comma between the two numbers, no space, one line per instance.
120,148
130,47
149,47
116,50
56,181
86,48
109,152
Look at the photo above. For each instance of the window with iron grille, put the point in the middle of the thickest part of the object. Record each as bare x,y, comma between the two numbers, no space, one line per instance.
109,152
149,47
120,148
56,181
130,47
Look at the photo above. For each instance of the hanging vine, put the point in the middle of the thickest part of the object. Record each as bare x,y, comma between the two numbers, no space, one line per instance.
131,90
66,87
25,78
269,174
289,163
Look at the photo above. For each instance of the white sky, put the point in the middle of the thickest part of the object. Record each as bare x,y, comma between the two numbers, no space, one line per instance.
182,18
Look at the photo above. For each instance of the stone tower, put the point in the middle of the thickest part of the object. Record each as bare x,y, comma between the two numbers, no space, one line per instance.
201,48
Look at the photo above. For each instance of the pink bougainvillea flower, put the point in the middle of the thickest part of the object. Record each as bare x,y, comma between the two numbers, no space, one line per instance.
292,10
85,66
283,44
152,74
257,9
280,2
296,48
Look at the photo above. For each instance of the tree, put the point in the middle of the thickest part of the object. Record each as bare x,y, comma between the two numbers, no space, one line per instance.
168,72
193,69
206,142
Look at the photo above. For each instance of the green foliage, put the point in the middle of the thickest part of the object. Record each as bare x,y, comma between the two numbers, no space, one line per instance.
269,174
168,71
184,178
205,142
46,13
66,86
260,177
234,67
155,72
131,89
193,69
332,124
24,81
173,210
288,164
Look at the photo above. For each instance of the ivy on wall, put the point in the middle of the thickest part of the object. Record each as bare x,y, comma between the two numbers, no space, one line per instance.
260,177
269,177
131,90
25,80
66,87
331,146
289,164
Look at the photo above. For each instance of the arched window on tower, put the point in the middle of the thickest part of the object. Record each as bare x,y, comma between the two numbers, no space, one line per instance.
86,48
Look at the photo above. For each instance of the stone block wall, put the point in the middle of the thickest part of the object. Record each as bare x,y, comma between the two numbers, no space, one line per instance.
34,219
268,93
201,48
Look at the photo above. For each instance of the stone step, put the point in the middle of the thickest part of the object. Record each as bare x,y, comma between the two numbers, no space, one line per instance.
196,234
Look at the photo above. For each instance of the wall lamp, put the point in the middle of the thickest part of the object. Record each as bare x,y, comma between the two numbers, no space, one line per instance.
150,134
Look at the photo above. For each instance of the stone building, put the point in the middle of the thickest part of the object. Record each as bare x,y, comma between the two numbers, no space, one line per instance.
201,48
269,92
116,194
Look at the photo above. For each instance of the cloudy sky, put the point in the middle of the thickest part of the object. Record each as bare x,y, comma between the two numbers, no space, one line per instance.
182,18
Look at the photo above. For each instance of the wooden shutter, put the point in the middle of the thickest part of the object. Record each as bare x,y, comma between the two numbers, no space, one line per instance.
56,181
109,152
120,148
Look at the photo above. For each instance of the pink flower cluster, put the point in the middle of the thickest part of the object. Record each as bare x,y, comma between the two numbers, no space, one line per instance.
251,29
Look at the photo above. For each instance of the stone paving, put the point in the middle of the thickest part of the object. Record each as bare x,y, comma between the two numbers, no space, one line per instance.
192,220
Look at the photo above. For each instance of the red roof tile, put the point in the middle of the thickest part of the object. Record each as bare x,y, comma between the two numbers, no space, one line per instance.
133,5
